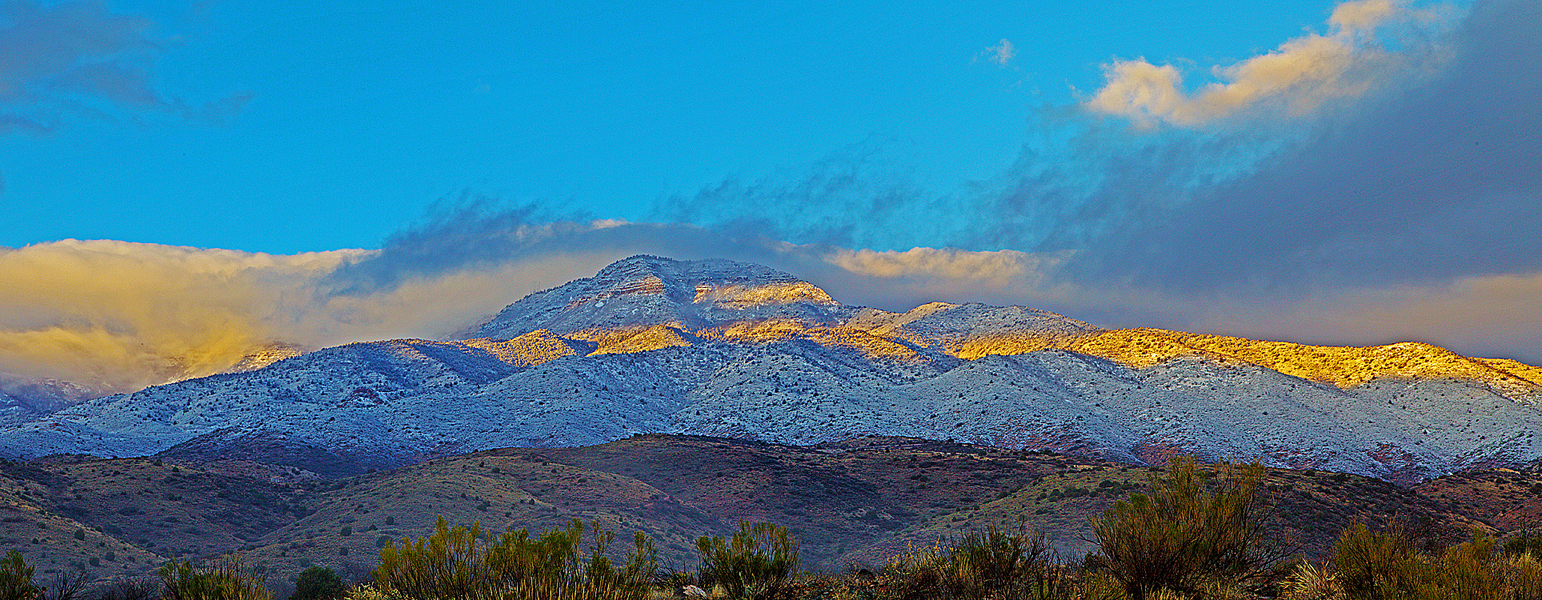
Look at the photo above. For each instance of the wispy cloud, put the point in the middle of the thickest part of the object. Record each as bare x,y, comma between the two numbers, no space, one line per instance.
1001,54
75,59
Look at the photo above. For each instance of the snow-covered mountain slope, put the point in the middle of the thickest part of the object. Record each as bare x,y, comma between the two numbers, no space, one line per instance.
733,349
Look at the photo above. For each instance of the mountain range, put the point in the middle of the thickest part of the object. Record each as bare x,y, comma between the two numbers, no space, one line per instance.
731,349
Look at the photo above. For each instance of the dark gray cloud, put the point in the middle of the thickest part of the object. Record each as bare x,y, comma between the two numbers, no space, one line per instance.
75,59
1435,182
477,233
856,197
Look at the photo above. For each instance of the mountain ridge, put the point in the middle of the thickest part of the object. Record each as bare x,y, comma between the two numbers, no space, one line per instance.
722,348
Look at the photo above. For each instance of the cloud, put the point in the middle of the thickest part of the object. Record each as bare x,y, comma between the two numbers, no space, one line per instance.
75,59
1298,78
1001,265
1422,188
1002,53
856,197
118,315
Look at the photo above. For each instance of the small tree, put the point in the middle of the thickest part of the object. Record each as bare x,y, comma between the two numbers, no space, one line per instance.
754,564
1188,532
318,583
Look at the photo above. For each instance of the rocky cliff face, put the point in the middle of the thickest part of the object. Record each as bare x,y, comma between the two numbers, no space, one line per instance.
732,349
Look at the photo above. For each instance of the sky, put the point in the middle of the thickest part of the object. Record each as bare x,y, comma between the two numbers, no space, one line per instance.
181,181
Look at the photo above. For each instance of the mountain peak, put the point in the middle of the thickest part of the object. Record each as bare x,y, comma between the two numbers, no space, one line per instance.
644,291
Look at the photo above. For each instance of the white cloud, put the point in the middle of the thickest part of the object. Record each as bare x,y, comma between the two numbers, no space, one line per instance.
1002,53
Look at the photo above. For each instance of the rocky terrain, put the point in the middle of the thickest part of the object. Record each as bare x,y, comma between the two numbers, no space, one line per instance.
736,350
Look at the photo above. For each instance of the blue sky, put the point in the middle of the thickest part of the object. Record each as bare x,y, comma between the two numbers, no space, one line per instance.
181,181
332,125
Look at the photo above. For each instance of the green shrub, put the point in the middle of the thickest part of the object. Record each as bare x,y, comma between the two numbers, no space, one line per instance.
983,564
226,578
1189,534
1376,566
754,564
318,583
460,563
1387,565
16,578
1525,542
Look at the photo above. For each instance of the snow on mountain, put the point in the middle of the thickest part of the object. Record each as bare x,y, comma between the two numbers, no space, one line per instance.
733,349
640,292
264,356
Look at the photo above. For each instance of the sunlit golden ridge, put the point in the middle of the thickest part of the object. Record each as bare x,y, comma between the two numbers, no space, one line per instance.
878,334
534,348
748,296
653,338
1342,366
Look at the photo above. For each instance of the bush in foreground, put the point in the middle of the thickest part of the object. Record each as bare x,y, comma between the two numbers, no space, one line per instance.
225,578
1386,565
16,578
755,563
983,564
1192,533
460,563
318,583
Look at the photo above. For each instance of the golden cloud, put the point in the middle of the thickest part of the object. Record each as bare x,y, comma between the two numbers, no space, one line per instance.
1299,77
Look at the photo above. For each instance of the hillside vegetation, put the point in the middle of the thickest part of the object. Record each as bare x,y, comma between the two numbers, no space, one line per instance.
856,503
1188,532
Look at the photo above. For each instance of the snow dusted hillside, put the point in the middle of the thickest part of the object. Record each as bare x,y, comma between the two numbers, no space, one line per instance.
733,349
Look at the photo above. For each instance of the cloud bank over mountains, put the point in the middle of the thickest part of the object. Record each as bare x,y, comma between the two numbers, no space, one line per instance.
1376,182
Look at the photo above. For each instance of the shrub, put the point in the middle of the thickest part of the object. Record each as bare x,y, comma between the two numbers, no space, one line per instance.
130,589
1386,565
1190,533
16,578
66,585
983,564
459,563
226,578
753,564
1313,582
318,583
1374,566
1523,543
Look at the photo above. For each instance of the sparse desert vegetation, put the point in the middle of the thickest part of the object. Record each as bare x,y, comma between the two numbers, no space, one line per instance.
1191,531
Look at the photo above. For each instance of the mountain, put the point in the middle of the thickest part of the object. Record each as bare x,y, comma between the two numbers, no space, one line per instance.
731,349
